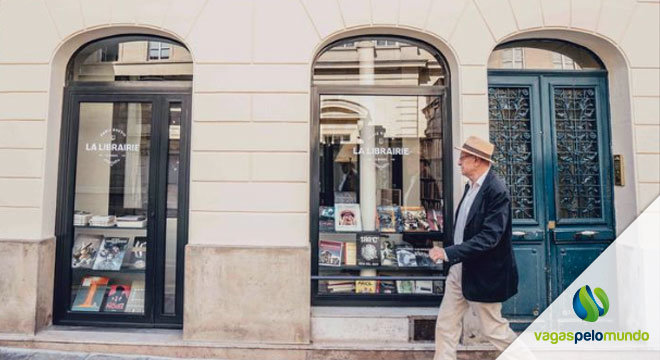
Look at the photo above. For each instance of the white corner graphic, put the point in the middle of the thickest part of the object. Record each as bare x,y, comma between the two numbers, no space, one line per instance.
628,271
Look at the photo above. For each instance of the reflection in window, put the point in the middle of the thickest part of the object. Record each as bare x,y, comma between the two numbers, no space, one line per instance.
172,227
131,58
380,178
542,55
109,53
381,191
563,62
391,62
159,50
111,204
513,58
404,136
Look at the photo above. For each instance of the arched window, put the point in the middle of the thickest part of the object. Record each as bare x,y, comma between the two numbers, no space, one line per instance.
381,179
543,55
122,202
131,58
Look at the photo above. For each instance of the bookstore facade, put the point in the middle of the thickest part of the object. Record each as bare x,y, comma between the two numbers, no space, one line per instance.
254,178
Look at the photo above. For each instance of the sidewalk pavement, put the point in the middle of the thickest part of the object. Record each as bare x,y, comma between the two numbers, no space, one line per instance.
7,353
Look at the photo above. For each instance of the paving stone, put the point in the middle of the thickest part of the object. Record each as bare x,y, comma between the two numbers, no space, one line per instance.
14,356
30,354
57,355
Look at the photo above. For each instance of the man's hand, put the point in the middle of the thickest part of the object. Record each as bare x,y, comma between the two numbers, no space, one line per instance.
437,254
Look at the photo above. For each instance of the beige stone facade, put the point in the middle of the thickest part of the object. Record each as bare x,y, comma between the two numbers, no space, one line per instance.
252,74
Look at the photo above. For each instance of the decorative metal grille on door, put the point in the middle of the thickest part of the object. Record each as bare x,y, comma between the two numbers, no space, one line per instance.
511,132
578,166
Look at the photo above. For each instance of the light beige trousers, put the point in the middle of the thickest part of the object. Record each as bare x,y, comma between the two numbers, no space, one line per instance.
448,328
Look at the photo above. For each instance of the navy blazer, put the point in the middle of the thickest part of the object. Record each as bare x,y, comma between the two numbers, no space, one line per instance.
489,266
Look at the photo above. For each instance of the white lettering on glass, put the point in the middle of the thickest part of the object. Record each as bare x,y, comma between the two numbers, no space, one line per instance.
382,151
111,146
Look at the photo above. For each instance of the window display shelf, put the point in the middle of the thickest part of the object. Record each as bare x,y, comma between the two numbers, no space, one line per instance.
435,235
374,296
114,227
382,268
102,272
374,278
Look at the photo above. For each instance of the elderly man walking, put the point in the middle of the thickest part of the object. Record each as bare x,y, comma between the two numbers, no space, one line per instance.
482,271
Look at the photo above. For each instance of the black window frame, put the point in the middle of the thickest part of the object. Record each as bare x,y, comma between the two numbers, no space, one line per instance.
444,93
160,94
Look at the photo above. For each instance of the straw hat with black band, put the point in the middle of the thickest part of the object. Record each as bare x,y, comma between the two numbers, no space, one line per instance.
478,147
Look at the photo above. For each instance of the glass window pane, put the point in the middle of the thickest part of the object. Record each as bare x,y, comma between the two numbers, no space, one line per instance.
131,59
378,62
510,129
169,302
543,54
111,204
165,52
580,194
110,53
381,191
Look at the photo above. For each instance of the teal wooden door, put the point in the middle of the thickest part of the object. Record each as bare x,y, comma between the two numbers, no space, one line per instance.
551,132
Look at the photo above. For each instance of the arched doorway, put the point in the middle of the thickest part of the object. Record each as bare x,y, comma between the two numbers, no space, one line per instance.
122,188
549,119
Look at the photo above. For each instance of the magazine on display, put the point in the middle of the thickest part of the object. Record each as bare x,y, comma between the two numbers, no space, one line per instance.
368,245
389,219
111,254
347,217
137,257
330,253
135,303
388,252
85,249
423,287
366,287
90,294
326,219
405,286
387,287
117,298
414,218
405,255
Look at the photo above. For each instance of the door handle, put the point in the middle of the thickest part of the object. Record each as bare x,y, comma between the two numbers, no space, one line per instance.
586,233
519,233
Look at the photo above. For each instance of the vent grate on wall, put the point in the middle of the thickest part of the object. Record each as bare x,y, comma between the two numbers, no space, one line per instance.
422,328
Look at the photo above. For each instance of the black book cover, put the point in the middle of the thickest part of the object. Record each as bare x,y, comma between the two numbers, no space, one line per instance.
368,249
117,298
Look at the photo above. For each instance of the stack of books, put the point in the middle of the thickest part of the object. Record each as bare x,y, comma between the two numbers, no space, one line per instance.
103,220
336,286
132,221
81,218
